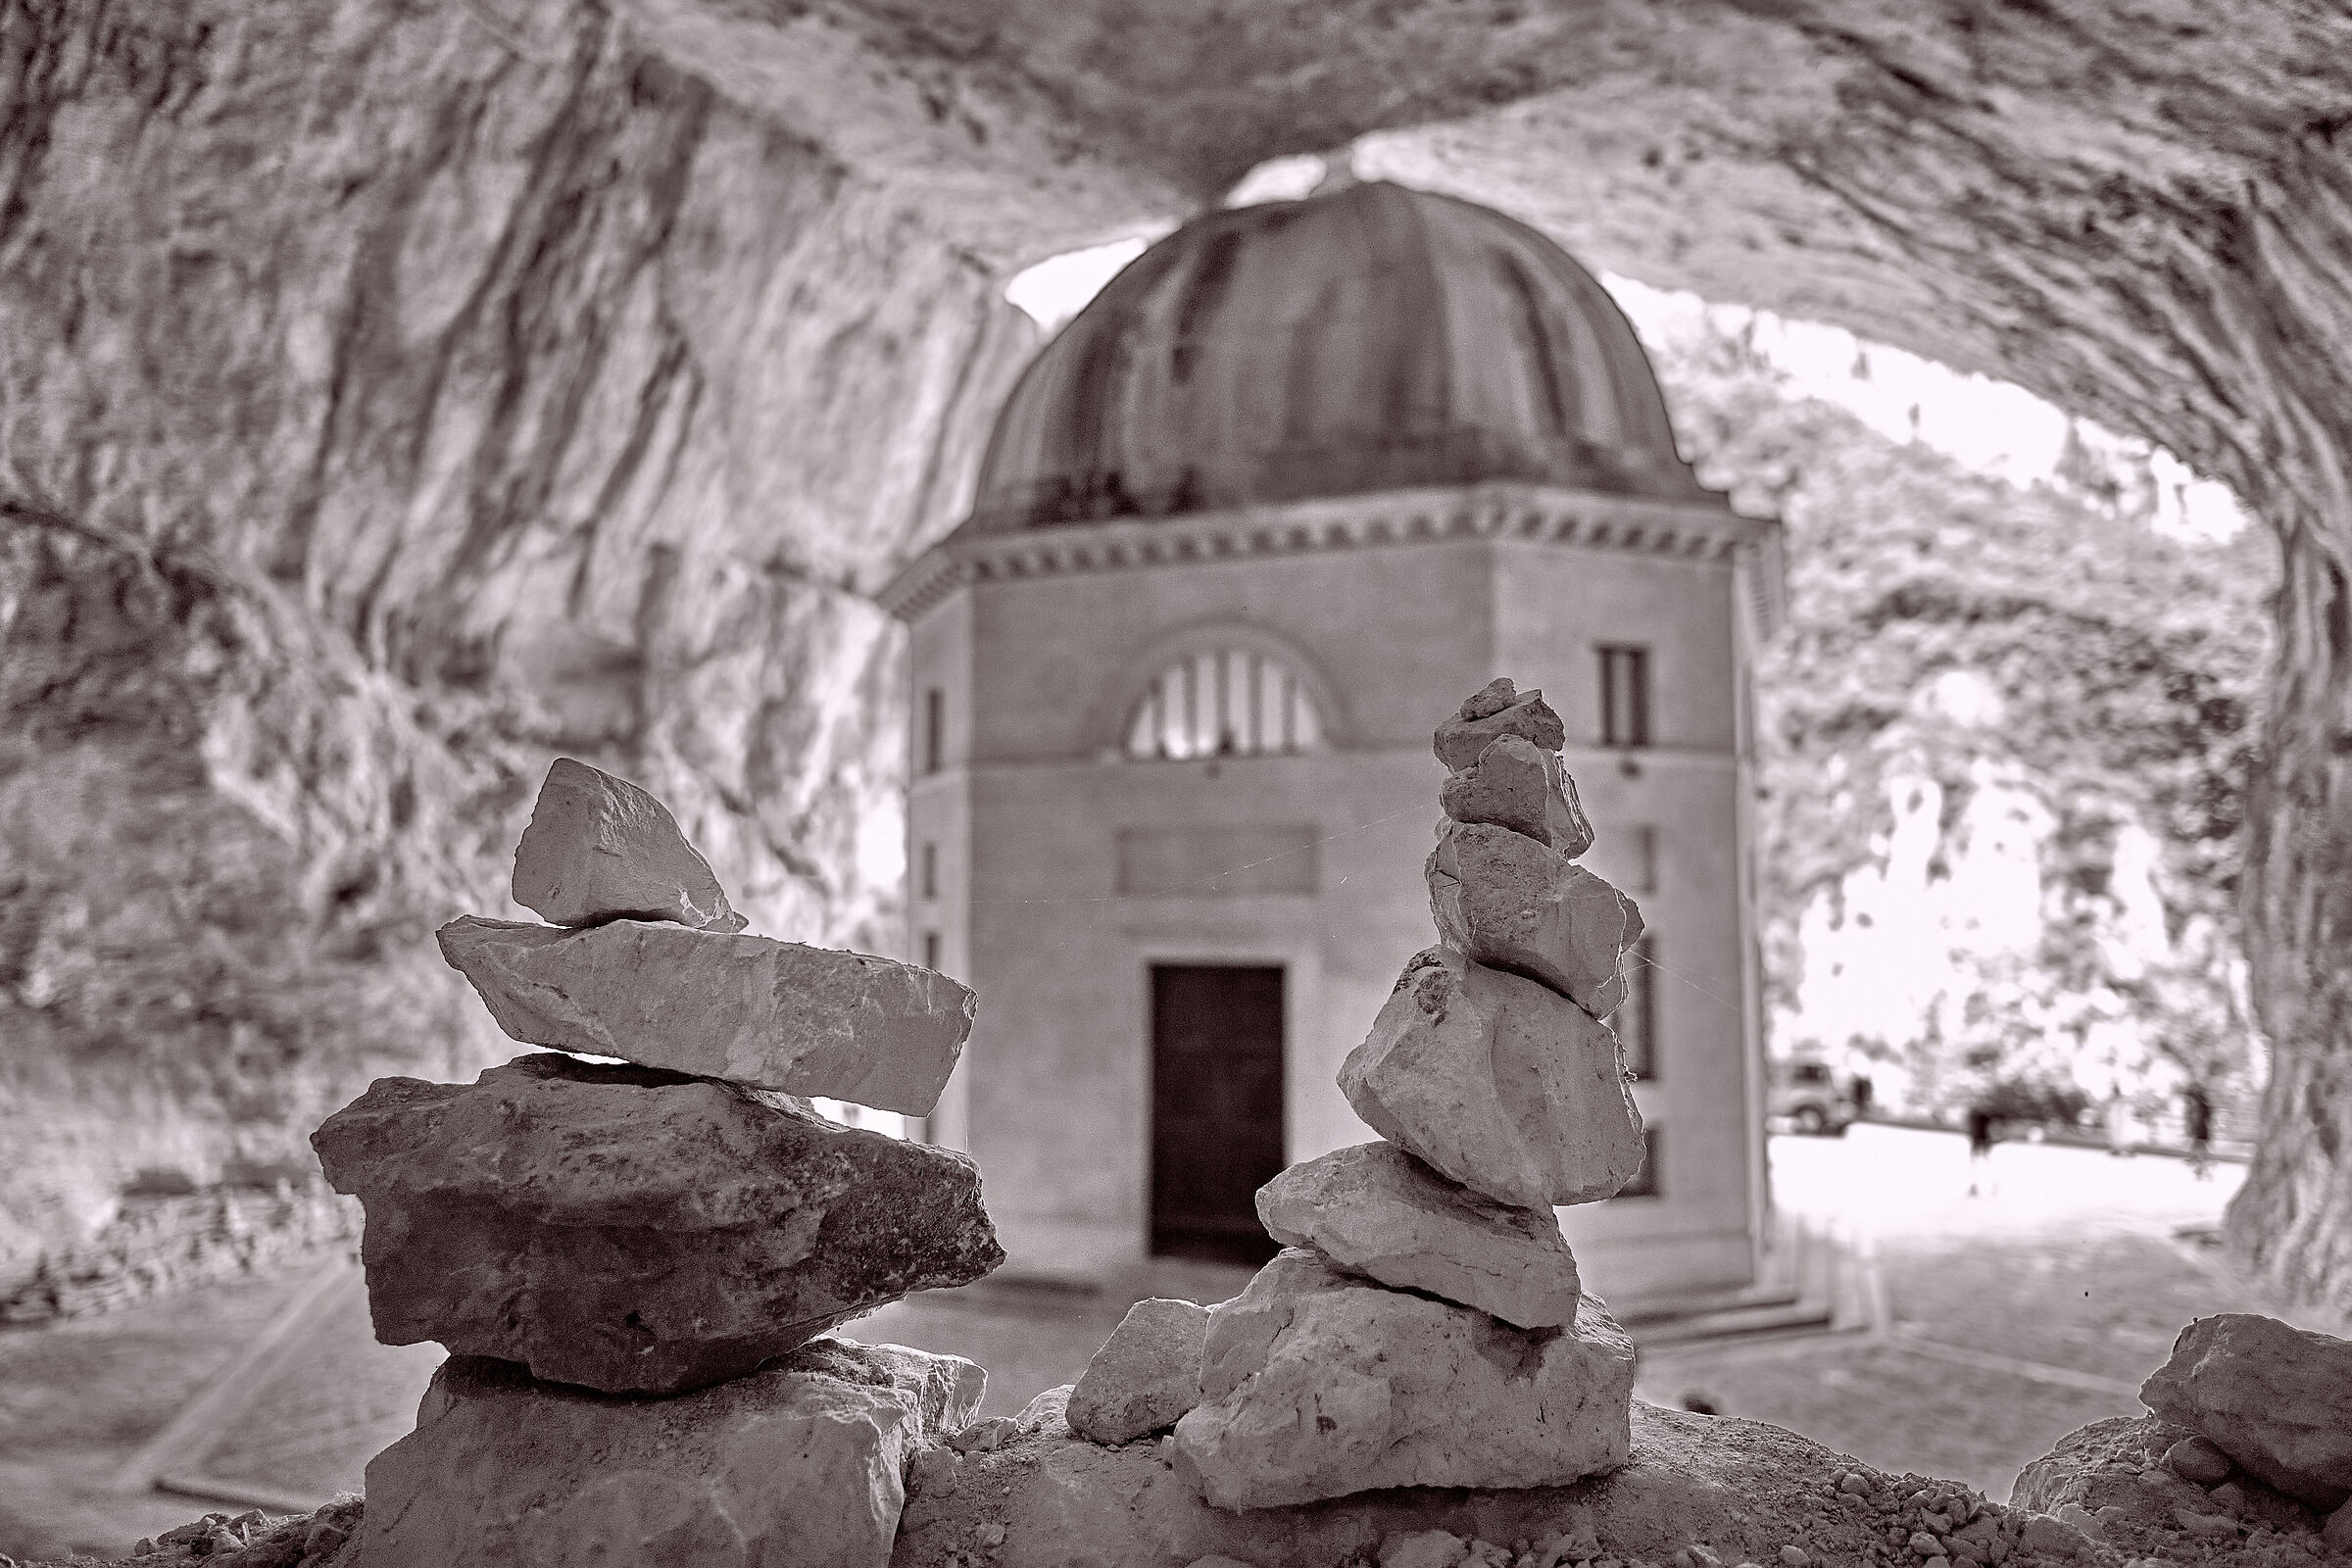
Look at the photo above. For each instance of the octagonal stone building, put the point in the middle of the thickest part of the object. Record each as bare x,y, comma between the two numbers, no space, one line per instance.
1299,478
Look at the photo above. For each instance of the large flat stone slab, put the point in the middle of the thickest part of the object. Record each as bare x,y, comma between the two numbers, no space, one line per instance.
801,1463
1373,1209
1498,1083
1315,1383
769,1014
637,1230
1515,785
1511,902
2276,1399
601,848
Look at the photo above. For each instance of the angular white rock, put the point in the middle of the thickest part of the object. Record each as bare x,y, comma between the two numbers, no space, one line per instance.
1147,1374
766,1014
601,848
1373,1209
800,1463
1515,785
1498,1083
1316,1385
2274,1398
1508,900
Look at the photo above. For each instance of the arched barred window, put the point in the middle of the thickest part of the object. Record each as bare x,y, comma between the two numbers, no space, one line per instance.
1227,702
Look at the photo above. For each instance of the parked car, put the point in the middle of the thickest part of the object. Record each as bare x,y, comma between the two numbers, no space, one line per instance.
1811,1097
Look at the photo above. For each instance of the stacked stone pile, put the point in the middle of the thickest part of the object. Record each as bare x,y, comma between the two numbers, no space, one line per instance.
1425,1324
631,1261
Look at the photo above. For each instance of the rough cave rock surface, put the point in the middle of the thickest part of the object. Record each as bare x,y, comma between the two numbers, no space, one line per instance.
1513,901
1373,1209
637,1230
777,1016
1496,1082
1315,1385
801,1462
599,848
573,373
2276,1399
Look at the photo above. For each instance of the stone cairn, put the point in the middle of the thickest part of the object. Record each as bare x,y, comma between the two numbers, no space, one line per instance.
1425,1324
632,1262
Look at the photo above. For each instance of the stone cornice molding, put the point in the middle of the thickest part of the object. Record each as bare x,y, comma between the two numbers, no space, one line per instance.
1581,519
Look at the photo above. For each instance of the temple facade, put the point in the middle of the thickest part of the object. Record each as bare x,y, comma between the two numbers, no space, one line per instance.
1302,477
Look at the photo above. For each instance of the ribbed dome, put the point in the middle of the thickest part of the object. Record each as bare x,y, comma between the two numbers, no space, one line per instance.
1371,339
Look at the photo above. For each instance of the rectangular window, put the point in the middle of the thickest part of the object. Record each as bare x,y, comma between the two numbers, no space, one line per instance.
1641,845
1645,1181
930,871
1636,1020
935,730
1624,696
930,949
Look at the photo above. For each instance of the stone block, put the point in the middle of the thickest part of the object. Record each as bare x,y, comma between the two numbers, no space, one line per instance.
768,1014
1374,1211
1461,739
1498,1083
801,1462
1514,785
637,1230
601,848
1147,1374
1318,1385
2276,1399
1509,901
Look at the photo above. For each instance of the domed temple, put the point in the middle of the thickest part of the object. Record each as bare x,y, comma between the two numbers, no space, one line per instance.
1298,479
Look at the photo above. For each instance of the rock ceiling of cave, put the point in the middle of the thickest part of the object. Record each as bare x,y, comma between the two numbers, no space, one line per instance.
2009,186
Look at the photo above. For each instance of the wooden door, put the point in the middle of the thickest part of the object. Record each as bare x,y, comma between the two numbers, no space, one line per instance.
1216,1107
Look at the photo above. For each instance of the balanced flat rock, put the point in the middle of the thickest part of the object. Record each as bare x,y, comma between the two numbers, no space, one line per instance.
637,1230
1147,1374
601,848
800,1463
1317,1385
2276,1399
1511,902
1498,1083
1373,1209
1461,739
1514,785
768,1014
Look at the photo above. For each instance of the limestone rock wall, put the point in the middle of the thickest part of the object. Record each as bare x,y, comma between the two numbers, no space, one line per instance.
392,397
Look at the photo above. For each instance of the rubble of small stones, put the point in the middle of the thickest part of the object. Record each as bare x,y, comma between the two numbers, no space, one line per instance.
635,1264
2274,1399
